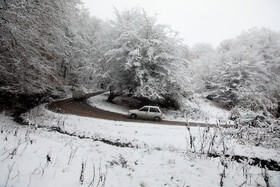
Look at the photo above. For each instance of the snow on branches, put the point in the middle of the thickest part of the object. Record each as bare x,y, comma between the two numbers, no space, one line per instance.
143,56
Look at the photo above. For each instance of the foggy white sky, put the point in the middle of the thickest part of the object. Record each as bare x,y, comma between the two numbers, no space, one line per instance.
207,21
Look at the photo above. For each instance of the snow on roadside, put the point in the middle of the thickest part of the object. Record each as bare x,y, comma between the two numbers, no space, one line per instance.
99,101
208,112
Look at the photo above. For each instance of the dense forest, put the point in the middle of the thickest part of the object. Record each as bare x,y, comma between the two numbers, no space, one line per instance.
47,47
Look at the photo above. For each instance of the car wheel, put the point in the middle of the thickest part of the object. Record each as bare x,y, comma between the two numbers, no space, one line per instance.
133,116
157,118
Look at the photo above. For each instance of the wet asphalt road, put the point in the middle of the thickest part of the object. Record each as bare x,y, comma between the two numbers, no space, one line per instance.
82,108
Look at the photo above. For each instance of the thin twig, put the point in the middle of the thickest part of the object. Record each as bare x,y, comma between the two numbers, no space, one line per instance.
9,173
93,175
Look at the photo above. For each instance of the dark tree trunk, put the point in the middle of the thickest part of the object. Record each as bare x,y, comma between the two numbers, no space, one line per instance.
112,96
278,110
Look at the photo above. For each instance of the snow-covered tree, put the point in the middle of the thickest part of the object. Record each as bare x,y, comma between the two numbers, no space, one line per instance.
44,45
35,36
143,58
203,60
87,44
249,72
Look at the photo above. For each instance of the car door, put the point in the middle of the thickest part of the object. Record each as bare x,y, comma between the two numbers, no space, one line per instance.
144,112
153,113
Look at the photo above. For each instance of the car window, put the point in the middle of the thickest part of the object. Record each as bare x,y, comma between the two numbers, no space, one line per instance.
249,116
144,109
260,118
154,110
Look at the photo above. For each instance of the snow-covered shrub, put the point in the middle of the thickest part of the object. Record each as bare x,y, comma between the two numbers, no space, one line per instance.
266,135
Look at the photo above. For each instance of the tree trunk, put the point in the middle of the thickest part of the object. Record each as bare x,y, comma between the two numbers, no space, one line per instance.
278,110
112,96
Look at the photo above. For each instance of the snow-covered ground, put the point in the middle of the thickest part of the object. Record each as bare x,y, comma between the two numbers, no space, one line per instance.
206,112
99,101
54,148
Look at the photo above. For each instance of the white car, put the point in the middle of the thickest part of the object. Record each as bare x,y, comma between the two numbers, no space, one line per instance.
146,112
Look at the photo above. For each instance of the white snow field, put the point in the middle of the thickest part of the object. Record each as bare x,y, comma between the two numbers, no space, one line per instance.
68,150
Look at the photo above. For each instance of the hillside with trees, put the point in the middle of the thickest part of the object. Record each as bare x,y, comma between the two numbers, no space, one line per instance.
47,47
44,47
242,72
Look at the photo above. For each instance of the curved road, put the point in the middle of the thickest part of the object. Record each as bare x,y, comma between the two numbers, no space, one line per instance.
82,108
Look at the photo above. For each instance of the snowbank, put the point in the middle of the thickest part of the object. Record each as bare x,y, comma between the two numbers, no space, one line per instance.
53,148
